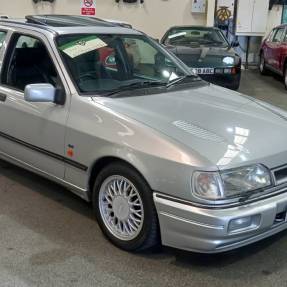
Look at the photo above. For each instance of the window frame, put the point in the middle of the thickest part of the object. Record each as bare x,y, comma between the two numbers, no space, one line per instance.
8,57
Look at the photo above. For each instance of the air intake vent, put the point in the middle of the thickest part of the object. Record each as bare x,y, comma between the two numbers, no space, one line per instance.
280,175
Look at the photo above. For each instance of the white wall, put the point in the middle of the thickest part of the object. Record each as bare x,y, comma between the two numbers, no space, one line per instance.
274,18
153,17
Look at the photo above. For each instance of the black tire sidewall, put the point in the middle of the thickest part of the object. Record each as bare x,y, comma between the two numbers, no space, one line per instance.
284,76
150,218
263,71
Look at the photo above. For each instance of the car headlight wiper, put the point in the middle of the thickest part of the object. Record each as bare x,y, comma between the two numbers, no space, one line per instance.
134,86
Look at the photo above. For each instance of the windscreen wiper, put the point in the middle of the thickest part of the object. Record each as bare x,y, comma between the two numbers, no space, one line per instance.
181,79
134,86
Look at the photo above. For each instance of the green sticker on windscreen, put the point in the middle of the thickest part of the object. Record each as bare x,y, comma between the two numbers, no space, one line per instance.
82,46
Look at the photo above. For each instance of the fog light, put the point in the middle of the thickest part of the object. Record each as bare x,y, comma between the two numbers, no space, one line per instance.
244,223
240,223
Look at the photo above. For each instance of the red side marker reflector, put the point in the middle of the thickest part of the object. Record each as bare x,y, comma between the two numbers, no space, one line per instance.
70,152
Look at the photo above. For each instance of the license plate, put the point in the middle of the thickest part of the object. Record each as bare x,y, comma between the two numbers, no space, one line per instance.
204,71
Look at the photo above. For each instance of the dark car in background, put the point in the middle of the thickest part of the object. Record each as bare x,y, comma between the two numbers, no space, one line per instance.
208,52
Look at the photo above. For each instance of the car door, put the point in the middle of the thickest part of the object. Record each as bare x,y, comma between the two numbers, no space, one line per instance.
275,51
267,47
283,52
32,133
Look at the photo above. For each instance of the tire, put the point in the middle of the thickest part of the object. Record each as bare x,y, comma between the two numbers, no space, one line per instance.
128,219
285,76
262,65
235,86
235,82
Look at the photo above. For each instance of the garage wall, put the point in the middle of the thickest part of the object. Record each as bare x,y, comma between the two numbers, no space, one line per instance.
154,17
274,18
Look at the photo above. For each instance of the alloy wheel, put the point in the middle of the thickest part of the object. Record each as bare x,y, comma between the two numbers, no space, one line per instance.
121,207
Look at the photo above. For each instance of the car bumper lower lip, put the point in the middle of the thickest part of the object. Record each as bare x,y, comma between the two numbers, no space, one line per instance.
197,229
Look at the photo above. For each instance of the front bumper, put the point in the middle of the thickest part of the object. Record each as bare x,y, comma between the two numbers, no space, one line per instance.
225,80
203,230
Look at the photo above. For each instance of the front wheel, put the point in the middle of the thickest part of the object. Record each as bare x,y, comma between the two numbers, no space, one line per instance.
124,208
285,77
262,65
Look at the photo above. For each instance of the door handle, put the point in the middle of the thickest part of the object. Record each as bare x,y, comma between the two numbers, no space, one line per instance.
3,97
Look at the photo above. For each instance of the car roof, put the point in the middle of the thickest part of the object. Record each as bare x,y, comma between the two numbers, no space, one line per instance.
68,24
280,26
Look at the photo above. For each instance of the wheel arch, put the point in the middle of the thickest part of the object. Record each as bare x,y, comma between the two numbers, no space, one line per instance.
104,161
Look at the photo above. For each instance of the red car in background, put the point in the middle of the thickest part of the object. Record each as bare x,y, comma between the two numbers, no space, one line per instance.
273,53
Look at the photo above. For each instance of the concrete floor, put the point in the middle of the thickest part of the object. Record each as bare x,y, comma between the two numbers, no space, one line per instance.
48,237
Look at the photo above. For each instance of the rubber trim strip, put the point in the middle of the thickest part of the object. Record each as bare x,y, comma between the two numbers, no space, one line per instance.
43,151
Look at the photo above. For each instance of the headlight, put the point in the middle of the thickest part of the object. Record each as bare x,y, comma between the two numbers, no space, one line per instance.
222,185
228,60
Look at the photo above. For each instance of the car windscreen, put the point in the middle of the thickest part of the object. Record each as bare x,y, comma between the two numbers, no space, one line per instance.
195,36
103,63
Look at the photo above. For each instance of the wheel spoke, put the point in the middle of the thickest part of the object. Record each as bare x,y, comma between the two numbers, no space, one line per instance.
132,225
135,220
108,199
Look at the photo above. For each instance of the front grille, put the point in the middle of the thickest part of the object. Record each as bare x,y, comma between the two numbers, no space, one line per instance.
280,175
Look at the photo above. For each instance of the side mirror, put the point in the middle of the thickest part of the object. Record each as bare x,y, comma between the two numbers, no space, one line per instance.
43,93
234,43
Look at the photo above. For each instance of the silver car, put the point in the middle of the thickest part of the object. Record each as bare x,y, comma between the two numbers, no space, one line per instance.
163,156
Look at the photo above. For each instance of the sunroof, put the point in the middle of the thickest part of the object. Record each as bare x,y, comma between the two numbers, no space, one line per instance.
66,21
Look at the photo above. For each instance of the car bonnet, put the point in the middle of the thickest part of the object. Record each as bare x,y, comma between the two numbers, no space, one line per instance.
225,127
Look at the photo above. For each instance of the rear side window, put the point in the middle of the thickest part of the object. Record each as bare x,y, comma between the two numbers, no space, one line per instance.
278,35
2,38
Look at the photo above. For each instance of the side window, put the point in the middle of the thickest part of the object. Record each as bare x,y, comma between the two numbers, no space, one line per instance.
29,63
26,42
271,35
2,38
278,35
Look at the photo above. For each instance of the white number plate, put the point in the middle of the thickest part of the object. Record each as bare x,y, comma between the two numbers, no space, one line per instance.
204,71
